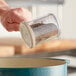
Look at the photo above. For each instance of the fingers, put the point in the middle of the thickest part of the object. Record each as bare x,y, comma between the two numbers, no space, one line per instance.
21,14
9,24
12,27
14,17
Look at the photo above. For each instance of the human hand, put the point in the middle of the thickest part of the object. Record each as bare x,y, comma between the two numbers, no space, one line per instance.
13,17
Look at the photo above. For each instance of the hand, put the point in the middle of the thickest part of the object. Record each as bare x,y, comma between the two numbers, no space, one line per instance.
13,17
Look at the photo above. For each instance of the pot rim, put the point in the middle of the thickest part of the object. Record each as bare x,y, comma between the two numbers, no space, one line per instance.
30,62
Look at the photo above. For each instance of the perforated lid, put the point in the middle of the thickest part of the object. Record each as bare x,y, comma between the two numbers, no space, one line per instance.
27,34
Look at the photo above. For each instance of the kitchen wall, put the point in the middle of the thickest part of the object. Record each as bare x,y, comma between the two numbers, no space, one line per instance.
69,19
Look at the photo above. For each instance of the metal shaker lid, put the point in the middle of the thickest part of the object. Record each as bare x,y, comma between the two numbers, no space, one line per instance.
27,34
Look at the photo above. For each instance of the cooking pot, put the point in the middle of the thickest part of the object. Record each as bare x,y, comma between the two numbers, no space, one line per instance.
32,67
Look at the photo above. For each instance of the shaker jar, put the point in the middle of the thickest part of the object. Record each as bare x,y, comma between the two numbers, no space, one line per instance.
39,30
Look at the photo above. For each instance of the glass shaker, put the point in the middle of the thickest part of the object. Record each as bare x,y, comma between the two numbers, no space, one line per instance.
39,30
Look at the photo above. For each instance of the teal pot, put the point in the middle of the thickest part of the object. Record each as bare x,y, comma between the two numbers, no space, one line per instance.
32,67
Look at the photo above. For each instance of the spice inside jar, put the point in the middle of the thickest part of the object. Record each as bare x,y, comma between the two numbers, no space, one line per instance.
44,31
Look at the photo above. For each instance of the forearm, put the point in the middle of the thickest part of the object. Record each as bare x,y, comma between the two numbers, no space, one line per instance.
3,7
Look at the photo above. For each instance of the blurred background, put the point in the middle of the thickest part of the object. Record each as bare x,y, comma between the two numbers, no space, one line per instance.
65,13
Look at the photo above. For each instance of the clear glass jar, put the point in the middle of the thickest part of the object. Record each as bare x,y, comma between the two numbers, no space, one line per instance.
39,30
